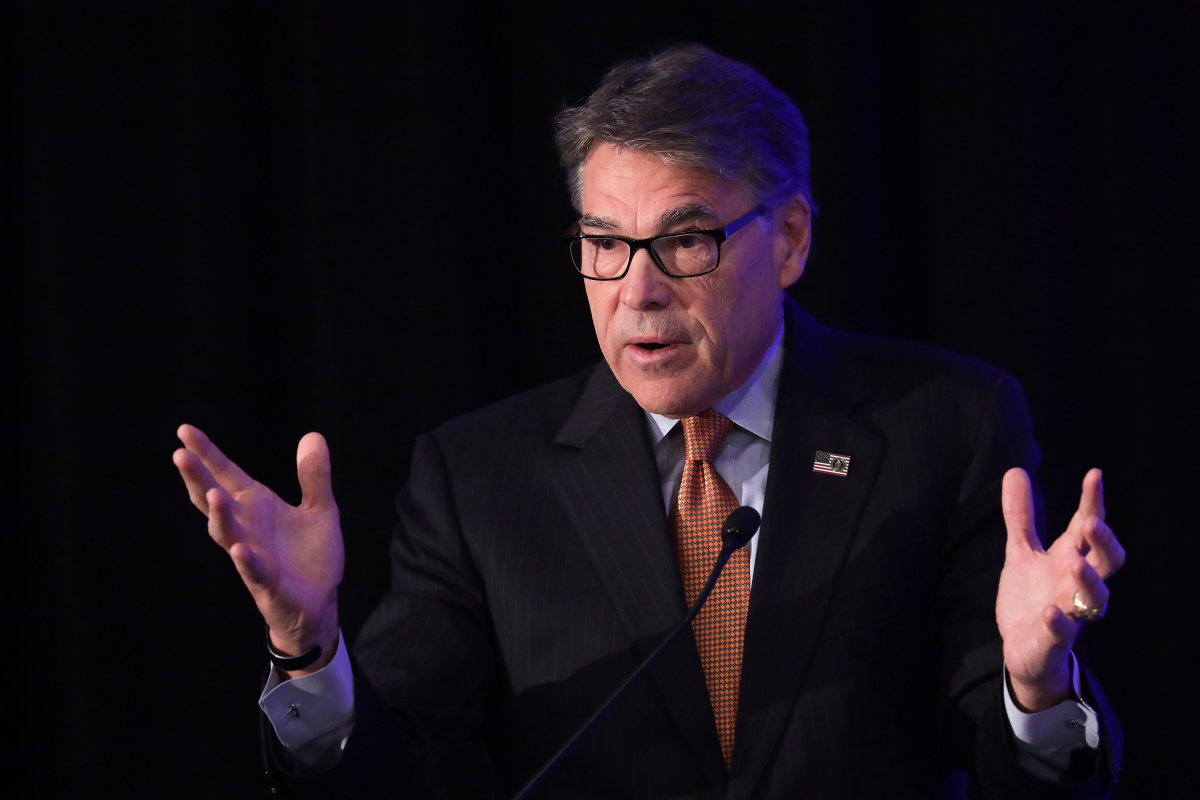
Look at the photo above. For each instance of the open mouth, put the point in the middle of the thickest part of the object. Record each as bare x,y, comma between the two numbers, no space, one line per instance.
651,345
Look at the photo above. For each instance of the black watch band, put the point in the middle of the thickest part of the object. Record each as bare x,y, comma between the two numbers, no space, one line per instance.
292,663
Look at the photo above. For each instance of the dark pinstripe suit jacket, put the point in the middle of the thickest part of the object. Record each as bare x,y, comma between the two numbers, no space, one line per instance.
532,569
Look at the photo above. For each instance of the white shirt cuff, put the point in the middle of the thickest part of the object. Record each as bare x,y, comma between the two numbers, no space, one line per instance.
1070,725
301,709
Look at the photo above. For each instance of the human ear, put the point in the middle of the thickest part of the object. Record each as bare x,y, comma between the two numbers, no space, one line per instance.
794,220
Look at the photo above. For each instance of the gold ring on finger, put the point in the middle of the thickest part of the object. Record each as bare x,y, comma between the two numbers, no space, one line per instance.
1085,613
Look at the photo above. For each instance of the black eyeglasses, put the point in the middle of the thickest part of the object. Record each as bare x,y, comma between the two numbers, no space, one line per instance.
680,255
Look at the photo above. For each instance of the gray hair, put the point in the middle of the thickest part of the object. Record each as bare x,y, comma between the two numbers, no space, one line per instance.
693,108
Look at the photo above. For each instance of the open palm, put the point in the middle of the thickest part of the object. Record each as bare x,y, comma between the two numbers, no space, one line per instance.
290,557
1035,603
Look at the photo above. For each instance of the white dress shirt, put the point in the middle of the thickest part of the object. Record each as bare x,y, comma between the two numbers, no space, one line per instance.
313,715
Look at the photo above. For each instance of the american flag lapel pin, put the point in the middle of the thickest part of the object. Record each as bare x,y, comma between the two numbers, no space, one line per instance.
832,463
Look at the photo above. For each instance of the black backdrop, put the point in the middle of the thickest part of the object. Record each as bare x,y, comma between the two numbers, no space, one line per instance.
266,219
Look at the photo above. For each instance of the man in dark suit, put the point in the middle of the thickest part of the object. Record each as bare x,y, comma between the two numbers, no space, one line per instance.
896,623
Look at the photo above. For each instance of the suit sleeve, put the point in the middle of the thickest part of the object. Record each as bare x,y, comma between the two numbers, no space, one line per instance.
423,664
975,719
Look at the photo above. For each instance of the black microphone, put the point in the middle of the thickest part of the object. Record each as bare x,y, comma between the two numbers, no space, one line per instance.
738,529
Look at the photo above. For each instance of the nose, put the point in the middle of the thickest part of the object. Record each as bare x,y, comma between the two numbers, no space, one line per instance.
645,286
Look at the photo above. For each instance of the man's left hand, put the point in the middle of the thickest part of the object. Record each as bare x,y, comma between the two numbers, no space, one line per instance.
1037,588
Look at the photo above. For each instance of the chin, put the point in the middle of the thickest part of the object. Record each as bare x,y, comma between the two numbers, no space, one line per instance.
669,401
671,390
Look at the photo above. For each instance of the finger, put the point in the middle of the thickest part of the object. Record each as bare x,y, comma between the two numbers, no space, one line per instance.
249,565
1104,552
1091,500
196,477
1092,591
1016,500
314,472
1043,651
1061,629
223,527
227,473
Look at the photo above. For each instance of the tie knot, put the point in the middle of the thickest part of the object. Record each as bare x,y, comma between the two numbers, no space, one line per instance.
704,433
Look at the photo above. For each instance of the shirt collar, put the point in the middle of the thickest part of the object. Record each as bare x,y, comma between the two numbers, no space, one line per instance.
750,406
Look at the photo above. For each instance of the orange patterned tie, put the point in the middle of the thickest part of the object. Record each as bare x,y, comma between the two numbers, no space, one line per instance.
705,500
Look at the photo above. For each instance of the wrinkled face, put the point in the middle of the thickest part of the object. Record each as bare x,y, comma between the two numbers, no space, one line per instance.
679,345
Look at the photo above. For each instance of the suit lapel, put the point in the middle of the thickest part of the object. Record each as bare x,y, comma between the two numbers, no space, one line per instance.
608,484
809,522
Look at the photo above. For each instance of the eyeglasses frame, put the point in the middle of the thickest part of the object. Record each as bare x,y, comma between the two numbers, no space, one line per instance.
720,235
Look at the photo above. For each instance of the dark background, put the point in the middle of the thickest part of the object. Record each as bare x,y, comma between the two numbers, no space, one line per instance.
269,219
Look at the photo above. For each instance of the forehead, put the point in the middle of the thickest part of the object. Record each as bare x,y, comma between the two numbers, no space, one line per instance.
636,187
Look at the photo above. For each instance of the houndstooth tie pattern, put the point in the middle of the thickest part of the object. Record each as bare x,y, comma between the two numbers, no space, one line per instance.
705,500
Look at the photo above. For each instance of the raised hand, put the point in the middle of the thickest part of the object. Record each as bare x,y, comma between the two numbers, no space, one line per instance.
1036,600
290,558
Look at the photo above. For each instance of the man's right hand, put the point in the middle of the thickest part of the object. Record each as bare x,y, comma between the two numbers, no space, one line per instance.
290,558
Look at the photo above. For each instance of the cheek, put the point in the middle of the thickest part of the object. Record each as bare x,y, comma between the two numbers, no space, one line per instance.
756,284
714,304
731,307
602,302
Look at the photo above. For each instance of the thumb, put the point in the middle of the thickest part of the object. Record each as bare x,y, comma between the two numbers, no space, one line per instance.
1016,499
316,477
1060,627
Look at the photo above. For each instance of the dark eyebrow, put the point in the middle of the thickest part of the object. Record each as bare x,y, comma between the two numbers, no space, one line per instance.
689,212
603,223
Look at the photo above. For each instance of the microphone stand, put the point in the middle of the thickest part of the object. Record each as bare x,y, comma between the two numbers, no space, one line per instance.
738,529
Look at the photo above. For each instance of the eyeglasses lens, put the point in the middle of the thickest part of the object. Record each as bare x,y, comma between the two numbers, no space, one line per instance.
600,258
685,254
